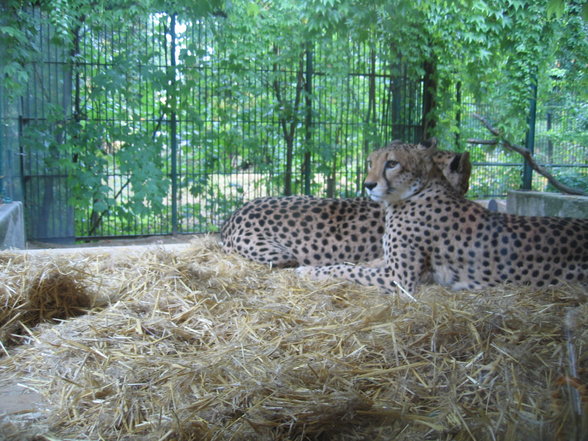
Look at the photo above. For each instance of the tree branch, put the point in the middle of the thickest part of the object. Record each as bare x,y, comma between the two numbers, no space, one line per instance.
482,141
525,153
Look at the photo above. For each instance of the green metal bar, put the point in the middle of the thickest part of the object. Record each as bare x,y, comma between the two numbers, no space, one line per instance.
428,102
173,128
458,115
308,119
2,195
530,139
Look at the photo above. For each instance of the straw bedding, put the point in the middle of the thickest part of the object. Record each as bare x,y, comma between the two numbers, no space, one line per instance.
200,345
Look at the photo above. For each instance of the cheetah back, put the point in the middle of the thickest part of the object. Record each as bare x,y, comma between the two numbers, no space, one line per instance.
302,230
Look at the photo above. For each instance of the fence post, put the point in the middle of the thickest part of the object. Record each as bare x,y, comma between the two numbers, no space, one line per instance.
429,104
173,128
2,195
308,119
527,183
458,115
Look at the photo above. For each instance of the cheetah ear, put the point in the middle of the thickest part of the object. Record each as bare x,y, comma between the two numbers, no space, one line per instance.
465,165
465,168
461,163
430,143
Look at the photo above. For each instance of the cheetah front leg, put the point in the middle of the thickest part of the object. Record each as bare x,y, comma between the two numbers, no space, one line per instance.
402,269
383,277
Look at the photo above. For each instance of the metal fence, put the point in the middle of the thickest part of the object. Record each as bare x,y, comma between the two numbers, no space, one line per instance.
555,147
230,139
159,106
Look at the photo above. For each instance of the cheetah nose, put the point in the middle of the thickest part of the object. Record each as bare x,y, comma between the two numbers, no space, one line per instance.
370,185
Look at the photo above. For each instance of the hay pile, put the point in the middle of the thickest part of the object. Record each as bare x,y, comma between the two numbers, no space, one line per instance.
199,345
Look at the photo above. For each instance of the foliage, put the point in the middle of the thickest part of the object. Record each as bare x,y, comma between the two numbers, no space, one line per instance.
16,32
240,101
577,180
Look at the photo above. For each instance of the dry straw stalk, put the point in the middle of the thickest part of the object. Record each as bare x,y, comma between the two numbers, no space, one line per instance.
201,345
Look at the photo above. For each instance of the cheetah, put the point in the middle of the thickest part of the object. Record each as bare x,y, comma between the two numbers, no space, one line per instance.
432,228
302,230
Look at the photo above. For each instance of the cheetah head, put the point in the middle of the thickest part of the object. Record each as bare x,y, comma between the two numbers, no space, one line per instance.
399,171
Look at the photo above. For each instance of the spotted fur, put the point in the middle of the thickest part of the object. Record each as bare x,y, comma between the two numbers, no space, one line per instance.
301,230
431,228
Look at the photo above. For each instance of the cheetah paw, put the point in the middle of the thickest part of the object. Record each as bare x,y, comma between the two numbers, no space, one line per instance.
305,271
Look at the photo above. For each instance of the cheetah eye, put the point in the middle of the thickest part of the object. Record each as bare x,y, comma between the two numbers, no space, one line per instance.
391,164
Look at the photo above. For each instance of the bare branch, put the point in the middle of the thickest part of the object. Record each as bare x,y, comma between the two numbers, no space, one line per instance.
482,141
525,153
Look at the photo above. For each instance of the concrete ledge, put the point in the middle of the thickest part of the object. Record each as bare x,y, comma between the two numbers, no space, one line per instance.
534,203
12,231
110,250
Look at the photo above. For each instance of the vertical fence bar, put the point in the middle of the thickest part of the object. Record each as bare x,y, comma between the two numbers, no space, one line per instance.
530,139
2,116
458,114
429,93
308,119
549,141
173,127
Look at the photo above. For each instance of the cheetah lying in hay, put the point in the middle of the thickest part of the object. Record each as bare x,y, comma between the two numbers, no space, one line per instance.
201,345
